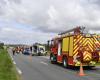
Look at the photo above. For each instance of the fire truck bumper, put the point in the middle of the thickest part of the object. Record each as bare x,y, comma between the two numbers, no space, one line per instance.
91,63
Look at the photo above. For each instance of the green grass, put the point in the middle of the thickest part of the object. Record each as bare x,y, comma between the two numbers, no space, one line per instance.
98,64
7,69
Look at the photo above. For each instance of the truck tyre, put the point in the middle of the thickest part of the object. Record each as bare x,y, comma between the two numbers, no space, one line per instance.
65,62
32,54
39,54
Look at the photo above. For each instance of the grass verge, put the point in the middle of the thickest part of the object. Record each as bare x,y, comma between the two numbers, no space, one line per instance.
98,64
7,69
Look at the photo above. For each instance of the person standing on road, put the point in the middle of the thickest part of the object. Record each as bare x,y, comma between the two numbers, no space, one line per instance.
13,50
31,50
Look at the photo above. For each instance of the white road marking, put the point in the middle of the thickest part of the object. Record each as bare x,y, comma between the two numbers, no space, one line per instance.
19,71
11,57
43,63
46,57
14,62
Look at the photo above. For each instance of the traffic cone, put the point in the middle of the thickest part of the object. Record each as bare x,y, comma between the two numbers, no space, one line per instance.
81,72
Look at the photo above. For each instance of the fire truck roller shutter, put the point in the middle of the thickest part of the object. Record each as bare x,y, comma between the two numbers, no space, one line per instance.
70,55
65,45
71,46
65,51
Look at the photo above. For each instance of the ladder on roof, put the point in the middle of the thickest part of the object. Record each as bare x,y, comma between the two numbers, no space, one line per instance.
78,29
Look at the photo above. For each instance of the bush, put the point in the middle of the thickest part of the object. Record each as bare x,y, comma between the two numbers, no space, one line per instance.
1,45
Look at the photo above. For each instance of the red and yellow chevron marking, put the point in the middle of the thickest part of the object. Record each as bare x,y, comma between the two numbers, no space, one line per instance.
95,36
97,45
96,41
77,40
76,44
83,42
99,55
87,56
87,59
89,42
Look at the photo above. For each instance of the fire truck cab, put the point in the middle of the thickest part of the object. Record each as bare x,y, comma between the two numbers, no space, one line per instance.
74,47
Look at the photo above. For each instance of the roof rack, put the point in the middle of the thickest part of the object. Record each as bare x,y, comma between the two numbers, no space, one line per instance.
78,29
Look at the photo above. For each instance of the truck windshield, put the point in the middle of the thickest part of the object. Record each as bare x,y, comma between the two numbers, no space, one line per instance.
41,49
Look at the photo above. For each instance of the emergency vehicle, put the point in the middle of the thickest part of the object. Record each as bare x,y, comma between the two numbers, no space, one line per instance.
73,47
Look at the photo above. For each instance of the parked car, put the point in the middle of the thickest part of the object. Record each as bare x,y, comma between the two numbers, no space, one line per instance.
26,51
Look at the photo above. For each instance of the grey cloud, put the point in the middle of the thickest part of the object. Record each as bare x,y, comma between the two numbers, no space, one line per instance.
94,1
15,1
71,15
52,16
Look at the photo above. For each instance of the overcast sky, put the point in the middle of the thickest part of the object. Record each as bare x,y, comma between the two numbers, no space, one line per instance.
29,21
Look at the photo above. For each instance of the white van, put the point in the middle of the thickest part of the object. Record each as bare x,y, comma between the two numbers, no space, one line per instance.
38,49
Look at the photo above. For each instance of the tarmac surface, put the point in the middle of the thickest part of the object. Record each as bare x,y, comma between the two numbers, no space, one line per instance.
40,68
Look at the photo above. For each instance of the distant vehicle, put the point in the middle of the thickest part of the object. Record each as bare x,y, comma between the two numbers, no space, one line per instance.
26,51
38,49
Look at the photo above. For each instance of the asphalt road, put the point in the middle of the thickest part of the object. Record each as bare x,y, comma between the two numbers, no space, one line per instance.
40,68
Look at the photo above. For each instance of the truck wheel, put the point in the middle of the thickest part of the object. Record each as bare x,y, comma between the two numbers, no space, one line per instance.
39,54
65,63
32,54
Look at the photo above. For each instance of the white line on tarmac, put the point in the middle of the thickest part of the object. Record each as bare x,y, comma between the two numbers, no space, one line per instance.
46,57
19,71
11,57
43,63
14,62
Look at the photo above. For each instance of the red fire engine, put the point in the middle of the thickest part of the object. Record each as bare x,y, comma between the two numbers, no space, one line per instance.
73,47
